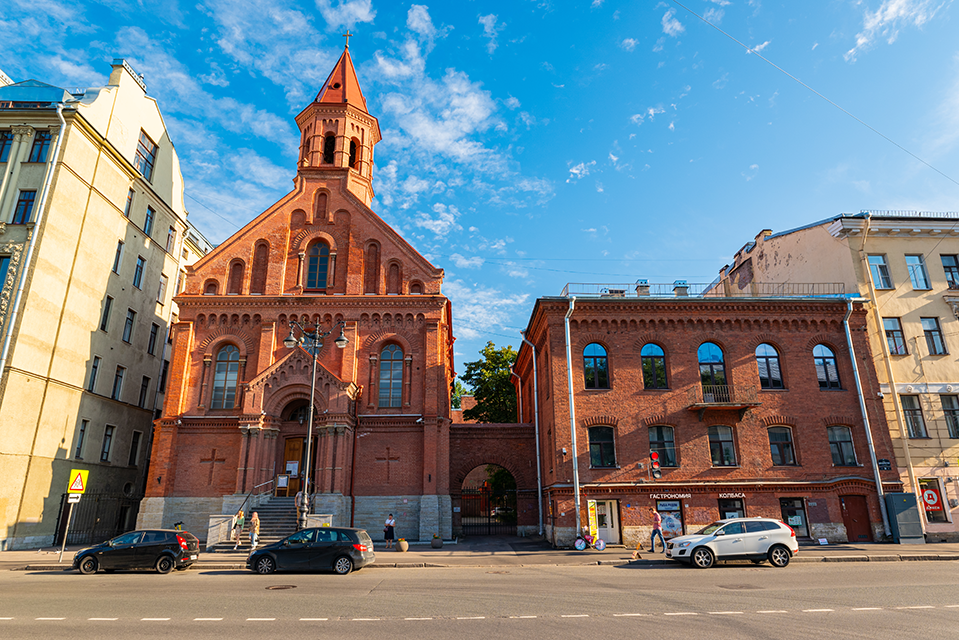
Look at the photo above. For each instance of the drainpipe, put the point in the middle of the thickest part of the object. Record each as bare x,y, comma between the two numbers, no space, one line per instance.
539,477
25,267
519,395
572,413
865,419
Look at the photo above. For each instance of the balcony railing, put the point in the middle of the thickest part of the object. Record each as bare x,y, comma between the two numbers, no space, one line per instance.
722,394
683,289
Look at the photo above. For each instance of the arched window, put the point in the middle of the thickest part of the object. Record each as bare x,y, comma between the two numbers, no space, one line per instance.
210,288
826,369
319,210
841,447
722,449
602,450
391,376
596,367
371,269
712,373
225,377
416,288
317,264
261,260
654,366
781,446
236,278
661,440
352,154
329,148
770,375
393,279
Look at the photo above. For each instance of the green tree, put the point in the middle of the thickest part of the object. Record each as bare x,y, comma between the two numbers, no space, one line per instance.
456,393
490,380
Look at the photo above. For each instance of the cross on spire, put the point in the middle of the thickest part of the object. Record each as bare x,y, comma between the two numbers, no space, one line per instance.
347,35
387,460
212,461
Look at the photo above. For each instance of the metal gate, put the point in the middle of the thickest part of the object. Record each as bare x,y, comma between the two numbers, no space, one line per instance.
488,512
97,517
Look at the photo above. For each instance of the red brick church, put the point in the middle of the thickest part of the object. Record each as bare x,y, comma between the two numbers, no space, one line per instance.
236,412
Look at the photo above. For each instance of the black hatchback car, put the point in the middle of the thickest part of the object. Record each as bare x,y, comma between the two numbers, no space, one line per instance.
159,549
337,549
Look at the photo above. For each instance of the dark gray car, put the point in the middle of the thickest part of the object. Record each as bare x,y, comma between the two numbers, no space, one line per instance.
336,549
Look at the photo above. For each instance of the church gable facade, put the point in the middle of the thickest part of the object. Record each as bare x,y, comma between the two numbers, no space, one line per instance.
236,413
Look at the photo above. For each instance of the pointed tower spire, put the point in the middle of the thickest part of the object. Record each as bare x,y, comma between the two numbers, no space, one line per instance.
338,133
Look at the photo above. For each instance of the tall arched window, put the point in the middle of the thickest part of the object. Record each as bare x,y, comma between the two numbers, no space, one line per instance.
841,447
712,373
602,449
319,209
654,366
317,264
826,369
329,148
261,257
225,377
770,375
393,279
722,449
236,278
352,154
781,446
595,367
391,376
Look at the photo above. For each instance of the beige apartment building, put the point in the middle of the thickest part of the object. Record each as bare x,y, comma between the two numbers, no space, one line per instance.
906,264
91,232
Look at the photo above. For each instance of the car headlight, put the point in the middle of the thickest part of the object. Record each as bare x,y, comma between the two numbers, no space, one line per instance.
683,545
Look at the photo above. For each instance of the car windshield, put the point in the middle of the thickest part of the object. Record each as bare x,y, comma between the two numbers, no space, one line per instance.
710,529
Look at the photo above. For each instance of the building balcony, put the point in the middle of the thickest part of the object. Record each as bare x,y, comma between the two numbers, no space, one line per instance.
722,397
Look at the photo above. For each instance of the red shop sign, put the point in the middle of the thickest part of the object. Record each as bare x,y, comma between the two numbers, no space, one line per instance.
930,498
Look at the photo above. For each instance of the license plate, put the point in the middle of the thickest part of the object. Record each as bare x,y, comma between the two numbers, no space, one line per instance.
192,557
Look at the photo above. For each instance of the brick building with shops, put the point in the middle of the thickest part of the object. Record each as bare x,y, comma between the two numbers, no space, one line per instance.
752,403
236,415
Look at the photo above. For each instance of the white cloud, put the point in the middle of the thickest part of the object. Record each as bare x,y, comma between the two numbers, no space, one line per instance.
612,158
714,16
814,45
751,173
512,103
759,47
651,113
477,309
579,171
889,18
672,126
672,26
491,29
346,13
443,223
467,263
629,44
596,4
721,81
659,45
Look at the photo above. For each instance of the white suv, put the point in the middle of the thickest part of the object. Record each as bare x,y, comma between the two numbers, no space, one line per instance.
756,539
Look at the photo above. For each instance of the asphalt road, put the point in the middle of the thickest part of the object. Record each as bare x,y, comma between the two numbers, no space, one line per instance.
854,600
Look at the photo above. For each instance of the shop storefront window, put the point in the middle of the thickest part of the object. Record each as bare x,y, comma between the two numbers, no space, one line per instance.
931,495
731,509
794,514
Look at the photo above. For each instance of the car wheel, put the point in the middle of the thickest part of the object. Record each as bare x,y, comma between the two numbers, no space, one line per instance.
703,558
779,556
265,565
165,564
342,566
88,566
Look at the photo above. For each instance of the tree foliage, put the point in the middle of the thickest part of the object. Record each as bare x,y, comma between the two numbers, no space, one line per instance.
457,392
490,380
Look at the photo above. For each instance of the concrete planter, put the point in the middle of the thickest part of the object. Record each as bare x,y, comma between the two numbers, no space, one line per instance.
402,545
437,543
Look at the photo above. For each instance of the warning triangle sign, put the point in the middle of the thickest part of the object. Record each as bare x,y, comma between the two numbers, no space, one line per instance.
78,481
77,484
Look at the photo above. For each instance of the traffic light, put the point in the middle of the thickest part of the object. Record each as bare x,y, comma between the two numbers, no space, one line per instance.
654,465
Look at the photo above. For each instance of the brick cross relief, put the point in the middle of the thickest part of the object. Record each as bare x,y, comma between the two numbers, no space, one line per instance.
387,460
212,461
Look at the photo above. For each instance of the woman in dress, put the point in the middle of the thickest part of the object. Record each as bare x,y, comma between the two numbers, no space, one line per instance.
388,531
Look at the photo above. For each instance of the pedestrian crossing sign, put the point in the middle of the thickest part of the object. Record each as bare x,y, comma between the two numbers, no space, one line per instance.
78,481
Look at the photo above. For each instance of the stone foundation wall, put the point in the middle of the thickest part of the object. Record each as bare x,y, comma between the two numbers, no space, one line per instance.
162,513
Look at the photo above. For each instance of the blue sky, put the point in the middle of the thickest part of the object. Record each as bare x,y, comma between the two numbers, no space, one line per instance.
528,144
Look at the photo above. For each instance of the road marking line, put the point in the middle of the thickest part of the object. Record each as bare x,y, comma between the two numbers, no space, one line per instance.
922,606
951,606
725,613
102,618
685,613
417,618
153,619
260,619
49,618
816,610
576,615
473,618
773,611
867,608
6,618
207,619
313,619
628,615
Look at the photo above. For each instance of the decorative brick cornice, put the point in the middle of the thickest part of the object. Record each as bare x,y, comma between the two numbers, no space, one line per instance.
775,421
592,421
845,421
658,420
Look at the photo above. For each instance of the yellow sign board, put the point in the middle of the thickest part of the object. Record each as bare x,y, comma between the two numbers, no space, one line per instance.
78,481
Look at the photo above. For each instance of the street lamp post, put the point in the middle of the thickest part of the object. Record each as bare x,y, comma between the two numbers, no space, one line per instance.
313,339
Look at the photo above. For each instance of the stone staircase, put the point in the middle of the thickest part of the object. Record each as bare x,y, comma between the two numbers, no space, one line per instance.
277,520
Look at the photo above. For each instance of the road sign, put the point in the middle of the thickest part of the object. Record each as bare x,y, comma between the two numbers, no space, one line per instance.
78,481
73,497
931,499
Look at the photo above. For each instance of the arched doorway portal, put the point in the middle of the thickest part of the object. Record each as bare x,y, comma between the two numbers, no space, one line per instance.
488,502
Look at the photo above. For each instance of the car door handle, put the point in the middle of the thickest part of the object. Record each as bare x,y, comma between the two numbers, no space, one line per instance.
764,537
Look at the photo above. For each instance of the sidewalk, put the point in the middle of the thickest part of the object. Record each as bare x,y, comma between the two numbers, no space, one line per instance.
516,552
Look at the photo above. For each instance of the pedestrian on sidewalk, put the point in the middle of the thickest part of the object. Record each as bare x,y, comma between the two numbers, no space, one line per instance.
254,529
238,522
389,531
657,531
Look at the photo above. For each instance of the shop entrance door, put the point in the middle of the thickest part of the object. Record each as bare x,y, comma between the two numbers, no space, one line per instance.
855,515
794,514
607,520
672,513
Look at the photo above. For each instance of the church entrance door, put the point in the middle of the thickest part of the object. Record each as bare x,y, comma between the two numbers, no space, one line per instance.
293,462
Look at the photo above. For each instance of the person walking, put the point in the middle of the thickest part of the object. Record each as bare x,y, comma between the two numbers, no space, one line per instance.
254,529
389,529
657,531
238,522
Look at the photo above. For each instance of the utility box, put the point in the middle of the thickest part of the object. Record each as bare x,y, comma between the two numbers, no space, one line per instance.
904,518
